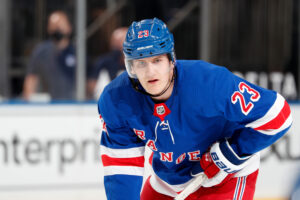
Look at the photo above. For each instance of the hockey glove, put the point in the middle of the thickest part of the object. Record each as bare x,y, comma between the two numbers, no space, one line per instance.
218,163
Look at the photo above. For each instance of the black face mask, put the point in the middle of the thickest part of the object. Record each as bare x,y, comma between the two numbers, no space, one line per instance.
58,36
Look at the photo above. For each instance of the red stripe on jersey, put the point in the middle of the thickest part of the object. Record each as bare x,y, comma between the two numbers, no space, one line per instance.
135,161
278,120
151,158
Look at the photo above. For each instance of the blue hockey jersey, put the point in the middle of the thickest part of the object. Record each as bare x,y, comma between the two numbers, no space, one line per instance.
208,103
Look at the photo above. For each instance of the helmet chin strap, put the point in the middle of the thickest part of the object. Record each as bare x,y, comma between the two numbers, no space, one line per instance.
135,85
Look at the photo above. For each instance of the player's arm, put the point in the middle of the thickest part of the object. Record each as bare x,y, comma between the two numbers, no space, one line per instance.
30,85
31,80
122,155
262,117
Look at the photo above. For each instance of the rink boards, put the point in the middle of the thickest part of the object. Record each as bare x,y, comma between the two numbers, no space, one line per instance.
52,151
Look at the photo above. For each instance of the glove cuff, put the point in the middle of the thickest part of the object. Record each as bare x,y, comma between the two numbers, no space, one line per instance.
225,158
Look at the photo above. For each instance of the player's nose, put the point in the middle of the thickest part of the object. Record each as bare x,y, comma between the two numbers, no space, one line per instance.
150,71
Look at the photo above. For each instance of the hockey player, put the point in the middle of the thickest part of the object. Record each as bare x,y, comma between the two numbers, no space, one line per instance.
196,117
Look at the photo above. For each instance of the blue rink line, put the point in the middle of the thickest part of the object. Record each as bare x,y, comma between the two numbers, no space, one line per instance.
293,102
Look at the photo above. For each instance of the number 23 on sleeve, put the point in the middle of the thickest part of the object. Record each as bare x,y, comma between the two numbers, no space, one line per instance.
238,96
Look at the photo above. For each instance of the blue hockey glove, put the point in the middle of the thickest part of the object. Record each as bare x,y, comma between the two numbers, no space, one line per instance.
219,163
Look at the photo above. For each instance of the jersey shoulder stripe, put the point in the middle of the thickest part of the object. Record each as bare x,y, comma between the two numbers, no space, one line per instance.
275,120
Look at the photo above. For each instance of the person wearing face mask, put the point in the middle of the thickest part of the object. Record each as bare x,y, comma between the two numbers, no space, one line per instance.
52,64
108,66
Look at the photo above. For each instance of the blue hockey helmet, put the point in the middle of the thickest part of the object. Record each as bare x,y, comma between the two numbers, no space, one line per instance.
147,38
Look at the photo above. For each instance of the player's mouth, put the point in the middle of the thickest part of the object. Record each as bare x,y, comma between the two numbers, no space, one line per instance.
153,81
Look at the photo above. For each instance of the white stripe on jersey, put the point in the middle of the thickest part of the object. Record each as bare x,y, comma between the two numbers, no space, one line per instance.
127,170
270,115
237,187
286,124
243,188
122,153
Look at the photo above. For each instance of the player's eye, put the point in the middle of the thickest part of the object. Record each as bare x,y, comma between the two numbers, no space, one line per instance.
141,64
157,60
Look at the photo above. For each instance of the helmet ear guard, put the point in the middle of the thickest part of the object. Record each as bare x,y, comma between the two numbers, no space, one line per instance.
147,38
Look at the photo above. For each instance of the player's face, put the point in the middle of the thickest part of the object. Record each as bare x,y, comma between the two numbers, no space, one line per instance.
155,74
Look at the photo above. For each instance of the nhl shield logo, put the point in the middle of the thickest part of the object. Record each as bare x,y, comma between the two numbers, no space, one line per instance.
160,110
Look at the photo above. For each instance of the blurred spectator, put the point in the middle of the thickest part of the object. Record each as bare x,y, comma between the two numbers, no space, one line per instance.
109,66
52,63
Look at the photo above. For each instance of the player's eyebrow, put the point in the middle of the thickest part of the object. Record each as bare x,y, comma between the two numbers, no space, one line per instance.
154,57
157,57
